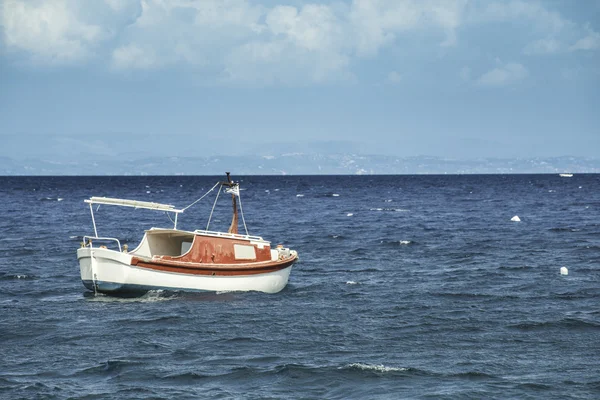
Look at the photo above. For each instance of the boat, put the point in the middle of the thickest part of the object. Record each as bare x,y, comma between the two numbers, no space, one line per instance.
564,175
179,260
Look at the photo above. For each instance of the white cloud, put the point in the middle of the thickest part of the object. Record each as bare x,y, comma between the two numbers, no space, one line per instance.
50,31
378,22
132,56
543,46
503,75
590,42
314,27
257,41
56,32
520,10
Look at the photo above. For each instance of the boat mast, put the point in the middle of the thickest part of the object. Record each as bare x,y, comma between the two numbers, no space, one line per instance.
234,221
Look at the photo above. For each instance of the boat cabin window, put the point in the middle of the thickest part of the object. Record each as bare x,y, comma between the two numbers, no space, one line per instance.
244,252
185,246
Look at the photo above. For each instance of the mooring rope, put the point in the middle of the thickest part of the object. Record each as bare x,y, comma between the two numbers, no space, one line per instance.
203,196
242,211
214,204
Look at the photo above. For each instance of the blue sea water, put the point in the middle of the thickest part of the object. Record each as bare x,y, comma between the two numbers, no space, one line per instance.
407,287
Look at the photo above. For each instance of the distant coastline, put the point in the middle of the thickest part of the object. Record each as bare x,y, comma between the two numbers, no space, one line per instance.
292,164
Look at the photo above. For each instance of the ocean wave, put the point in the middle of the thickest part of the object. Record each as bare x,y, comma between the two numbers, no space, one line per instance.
566,323
51,199
185,377
535,386
378,368
108,367
395,243
471,375
12,239
12,276
388,209
515,268
359,251
564,229
242,339
148,297
468,296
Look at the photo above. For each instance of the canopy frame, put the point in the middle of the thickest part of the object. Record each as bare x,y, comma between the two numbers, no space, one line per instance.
148,205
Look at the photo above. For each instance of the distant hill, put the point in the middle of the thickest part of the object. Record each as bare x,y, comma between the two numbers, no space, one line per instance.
287,163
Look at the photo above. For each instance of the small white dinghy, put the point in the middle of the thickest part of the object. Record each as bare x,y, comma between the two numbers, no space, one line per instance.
174,259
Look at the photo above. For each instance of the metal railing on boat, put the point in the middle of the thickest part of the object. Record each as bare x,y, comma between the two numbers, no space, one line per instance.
230,235
88,240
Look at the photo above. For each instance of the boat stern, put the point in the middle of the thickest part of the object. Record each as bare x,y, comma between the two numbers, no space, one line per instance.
103,269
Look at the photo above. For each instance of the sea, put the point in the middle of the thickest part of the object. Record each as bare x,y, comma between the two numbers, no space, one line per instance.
407,287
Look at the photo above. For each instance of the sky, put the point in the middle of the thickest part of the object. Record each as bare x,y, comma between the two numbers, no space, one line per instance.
445,78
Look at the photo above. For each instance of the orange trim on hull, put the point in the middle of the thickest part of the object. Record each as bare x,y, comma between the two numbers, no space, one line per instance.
213,269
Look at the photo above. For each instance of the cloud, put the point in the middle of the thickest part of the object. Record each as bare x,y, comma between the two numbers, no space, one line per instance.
590,42
551,25
133,57
504,75
543,46
50,31
377,23
307,43
248,41
533,12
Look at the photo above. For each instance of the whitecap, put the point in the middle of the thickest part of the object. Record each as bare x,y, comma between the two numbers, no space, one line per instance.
351,283
388,201
375,368
147,191
148,297
60,199
349,214
12,239
335,195
299,195
405,242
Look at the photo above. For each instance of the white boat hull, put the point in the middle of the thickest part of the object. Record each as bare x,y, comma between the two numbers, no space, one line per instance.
109,271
